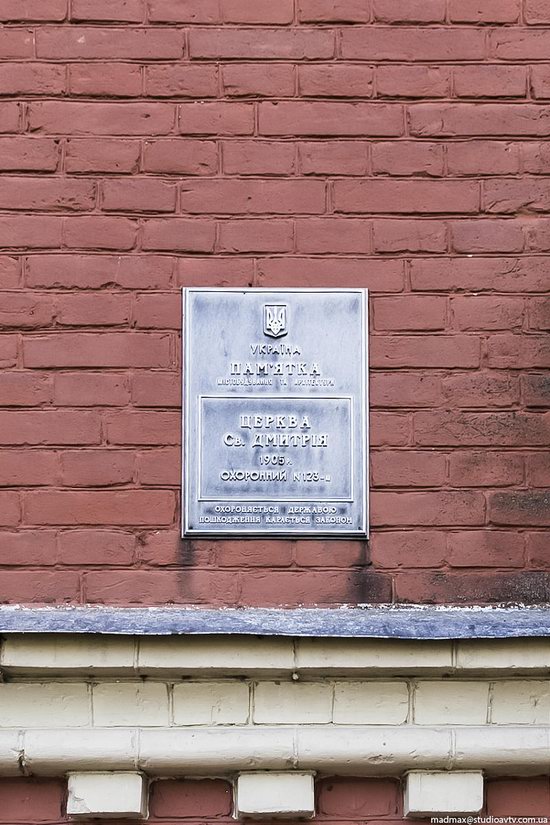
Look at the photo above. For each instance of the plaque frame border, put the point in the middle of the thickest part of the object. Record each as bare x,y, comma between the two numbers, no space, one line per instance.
363,533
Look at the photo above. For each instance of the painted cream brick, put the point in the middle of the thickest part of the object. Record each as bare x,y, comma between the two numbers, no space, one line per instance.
504,655
107,795
510,750
44,704
275,795
453,702
371,703
438,793
213,656
53,753
521,702
353,656
66,654
290,703
10,753
211,703
130,703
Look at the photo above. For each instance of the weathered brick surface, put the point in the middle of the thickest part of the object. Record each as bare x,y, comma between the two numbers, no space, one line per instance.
398,145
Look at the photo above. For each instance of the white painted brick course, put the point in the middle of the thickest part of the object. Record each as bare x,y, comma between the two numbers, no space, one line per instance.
210,656
65,654
442,793
291,703
211,703
107,795
504,655
521,702
354,656
44,704
130,703
371,703
453,702
281,795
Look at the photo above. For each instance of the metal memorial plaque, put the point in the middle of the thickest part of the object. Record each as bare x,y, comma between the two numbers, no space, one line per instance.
275,415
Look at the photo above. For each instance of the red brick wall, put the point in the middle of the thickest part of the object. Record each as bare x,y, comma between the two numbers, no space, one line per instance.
348,800
392,144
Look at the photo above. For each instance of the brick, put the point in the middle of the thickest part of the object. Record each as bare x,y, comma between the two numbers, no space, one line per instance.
402,43
333,80
119,11
485,469
138,195
255,236
302,118
413,81
331,235
407,469
16,43
371,703
406,196
538,550
263,11
32,78
278,44
19,310
451,703
215,271
286,197
275,794
156,389
96,468
408,549
157,311
258,157
143,428
183,11
93,310
216,118
537,235
181,81
190,798
10,116
333,158
88,389
334,11
487,236
102,547
484,312
536,157
119,703
517,352
269,553
28,468
511,196
437,792
291,703
409,313
114,507
480,274
390,429
214,703
9,272
519,44
410,236
520,702
24,797
441,351
72,118
28,154
179,234
31,232
536,390
540,82
487,548
96,793
417,11
509,797
480,429
52,11
94,232
10,511
483,11
50,427
101,155
105,80
490,81
404,389
520,508
538,470
352,797
539,313
27,547
162,467
427,508
488,588
407,158
385,276
180,157
81,42
486,157
135,349
465,119
24,389
8,351
44,194
150,587
41,586
258,80
537,11
313,587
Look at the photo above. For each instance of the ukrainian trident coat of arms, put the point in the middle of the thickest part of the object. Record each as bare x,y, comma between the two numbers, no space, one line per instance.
275,320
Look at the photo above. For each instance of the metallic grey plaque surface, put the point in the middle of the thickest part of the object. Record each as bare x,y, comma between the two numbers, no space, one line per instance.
275,414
